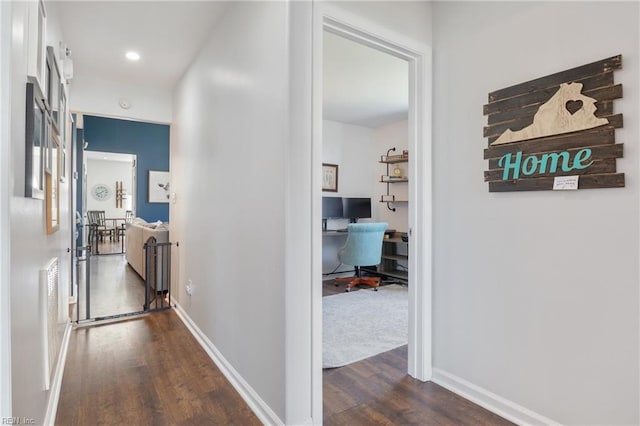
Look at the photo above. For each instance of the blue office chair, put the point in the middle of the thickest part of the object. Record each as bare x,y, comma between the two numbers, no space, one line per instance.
363,248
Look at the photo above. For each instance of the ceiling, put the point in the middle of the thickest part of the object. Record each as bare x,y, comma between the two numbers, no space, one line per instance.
361,85
166,34
109,156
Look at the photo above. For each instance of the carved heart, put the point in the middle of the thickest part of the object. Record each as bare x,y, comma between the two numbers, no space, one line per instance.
573,106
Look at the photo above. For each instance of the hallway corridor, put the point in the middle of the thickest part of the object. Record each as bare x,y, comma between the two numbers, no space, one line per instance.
144,371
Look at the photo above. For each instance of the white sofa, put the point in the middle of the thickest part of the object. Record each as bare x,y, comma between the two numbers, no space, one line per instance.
136,235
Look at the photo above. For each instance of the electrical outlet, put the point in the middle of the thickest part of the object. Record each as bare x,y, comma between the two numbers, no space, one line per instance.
189,287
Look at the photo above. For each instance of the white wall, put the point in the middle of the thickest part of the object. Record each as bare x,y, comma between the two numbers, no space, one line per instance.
353,149
228,164
357,151
386,137
31,248
5,189
101,97
536,293
107,172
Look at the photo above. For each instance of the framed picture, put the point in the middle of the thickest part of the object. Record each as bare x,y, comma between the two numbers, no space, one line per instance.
329,177
36,32
64,117
63,162
158,186
47,154
52,197
54,95
35,143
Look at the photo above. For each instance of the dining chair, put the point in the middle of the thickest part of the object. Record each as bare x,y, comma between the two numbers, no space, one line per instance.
98,225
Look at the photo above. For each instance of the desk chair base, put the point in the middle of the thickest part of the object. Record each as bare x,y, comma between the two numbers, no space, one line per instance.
354,281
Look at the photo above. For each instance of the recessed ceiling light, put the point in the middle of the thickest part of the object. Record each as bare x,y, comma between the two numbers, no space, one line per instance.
132,56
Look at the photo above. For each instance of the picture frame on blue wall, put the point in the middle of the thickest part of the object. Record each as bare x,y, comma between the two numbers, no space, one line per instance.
35,142
158,186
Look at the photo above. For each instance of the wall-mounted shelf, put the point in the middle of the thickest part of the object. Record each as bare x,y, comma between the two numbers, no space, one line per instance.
394,250
393,159
390,178
393,201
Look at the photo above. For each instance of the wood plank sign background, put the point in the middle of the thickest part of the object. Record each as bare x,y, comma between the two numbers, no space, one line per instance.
559,125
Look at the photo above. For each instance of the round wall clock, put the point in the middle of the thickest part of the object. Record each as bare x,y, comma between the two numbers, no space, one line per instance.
101,192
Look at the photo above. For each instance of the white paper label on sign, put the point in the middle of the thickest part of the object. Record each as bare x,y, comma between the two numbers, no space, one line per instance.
563,183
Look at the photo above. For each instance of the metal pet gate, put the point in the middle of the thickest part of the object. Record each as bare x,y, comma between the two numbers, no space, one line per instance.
157,280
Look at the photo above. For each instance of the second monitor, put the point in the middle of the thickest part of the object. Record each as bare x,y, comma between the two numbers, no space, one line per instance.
356,208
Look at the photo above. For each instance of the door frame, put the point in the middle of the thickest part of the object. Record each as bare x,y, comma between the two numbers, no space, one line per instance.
419,58
5,212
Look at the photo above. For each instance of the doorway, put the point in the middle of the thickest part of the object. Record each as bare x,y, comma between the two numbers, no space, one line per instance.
107,287
419,186
110,191
365,137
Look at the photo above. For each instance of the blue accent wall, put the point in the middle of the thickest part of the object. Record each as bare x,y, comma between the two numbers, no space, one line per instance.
148,141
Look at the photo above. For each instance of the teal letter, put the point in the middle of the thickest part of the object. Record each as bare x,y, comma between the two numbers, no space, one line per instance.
581,156
505,161
529,165
554,162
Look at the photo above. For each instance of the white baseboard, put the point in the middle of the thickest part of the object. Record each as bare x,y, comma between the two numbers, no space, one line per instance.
54,393
489,400
260,408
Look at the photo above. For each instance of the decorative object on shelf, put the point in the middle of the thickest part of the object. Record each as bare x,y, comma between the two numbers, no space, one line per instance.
35,142
555,126
395,177
101,192
329,177
158,186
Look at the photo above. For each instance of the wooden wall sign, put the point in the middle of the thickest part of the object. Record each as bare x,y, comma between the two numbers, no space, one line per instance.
559,125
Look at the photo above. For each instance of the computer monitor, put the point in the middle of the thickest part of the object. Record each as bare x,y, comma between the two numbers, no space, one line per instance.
331,209
356,208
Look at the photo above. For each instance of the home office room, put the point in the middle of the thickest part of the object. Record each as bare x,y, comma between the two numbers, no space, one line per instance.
364,210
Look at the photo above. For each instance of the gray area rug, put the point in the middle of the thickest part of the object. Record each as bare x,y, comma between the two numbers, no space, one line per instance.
363,323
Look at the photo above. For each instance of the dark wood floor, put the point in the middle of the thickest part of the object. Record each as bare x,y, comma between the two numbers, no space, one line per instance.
378,391
151,370
145,371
